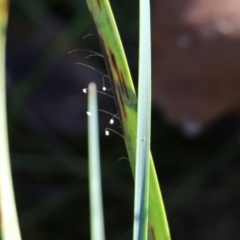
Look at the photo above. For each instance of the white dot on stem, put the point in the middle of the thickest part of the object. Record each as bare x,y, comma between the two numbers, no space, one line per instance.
89,113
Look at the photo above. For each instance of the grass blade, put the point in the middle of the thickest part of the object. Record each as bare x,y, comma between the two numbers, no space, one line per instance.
96,208
143,126
126,103
9,225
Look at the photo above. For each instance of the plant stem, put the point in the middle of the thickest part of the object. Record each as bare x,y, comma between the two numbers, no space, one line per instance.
95,194
10,226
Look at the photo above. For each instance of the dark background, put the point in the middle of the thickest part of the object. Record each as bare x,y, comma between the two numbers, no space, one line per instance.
199,176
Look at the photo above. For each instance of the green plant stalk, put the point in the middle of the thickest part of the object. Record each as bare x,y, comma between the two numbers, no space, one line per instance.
126,103
141,196
95,192
9,222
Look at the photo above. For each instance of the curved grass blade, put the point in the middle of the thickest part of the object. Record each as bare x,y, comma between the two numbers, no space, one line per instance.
140,230
95,194
126,102
9,221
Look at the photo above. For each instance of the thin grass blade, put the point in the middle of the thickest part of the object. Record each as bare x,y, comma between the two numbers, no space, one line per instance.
95,194
9,225
141,196
126,103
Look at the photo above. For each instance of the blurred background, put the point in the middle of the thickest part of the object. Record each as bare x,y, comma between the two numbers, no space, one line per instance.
195,135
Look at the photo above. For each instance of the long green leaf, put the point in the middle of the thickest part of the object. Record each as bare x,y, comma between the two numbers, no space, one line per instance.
10,227
96,208
126,102
143,126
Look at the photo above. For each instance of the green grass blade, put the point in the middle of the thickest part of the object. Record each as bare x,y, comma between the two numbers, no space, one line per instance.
126,103
96,208
143,126
9,221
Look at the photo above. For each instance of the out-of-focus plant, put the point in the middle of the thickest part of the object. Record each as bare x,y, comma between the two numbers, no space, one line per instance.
9,221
